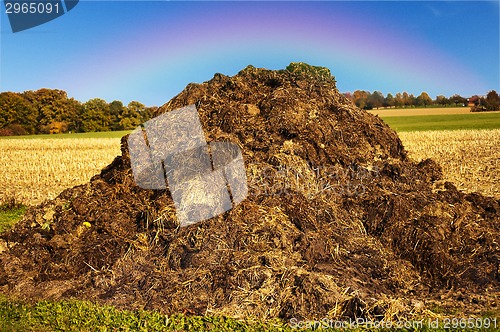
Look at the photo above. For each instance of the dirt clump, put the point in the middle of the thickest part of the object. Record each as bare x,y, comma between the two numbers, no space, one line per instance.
338,221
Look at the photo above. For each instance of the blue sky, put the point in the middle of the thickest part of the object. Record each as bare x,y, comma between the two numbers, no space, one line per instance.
150,50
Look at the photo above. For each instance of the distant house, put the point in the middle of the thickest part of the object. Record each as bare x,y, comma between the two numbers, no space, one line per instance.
474,100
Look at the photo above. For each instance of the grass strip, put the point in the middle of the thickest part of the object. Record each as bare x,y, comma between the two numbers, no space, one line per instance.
444,122
75,315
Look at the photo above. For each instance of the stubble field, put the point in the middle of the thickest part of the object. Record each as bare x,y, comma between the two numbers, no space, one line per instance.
469,158
38,169
33,170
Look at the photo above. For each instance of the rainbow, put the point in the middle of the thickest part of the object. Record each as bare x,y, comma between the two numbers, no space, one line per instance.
177,43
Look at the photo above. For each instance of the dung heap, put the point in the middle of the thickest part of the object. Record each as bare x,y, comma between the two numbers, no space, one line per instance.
338,221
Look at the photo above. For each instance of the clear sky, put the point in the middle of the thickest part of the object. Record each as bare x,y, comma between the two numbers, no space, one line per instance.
150,50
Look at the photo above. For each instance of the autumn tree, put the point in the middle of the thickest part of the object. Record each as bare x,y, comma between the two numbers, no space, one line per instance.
406,99
53,106
398,100
16,110
51,111
424,99
348,95
49,105
360,98
492,101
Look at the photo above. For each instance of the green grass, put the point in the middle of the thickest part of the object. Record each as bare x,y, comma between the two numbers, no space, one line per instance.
10,213
444,122
429,106
74,315
103,134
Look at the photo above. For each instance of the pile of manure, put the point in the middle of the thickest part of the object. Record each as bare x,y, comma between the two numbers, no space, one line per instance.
338,221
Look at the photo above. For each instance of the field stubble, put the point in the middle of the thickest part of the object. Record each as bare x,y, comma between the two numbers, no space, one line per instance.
38,169
469,158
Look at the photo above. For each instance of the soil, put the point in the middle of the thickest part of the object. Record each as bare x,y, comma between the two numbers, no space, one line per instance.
338,223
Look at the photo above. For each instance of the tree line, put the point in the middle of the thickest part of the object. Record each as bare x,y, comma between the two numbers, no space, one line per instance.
51,111
370,100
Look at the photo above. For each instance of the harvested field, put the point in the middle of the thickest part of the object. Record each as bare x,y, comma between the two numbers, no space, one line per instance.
338,223
469,158
38,169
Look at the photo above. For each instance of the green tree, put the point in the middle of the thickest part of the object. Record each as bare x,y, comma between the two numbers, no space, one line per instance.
458,100
71,115
95,116
389,100
148,113
376,100
442,100
116,110
131,116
